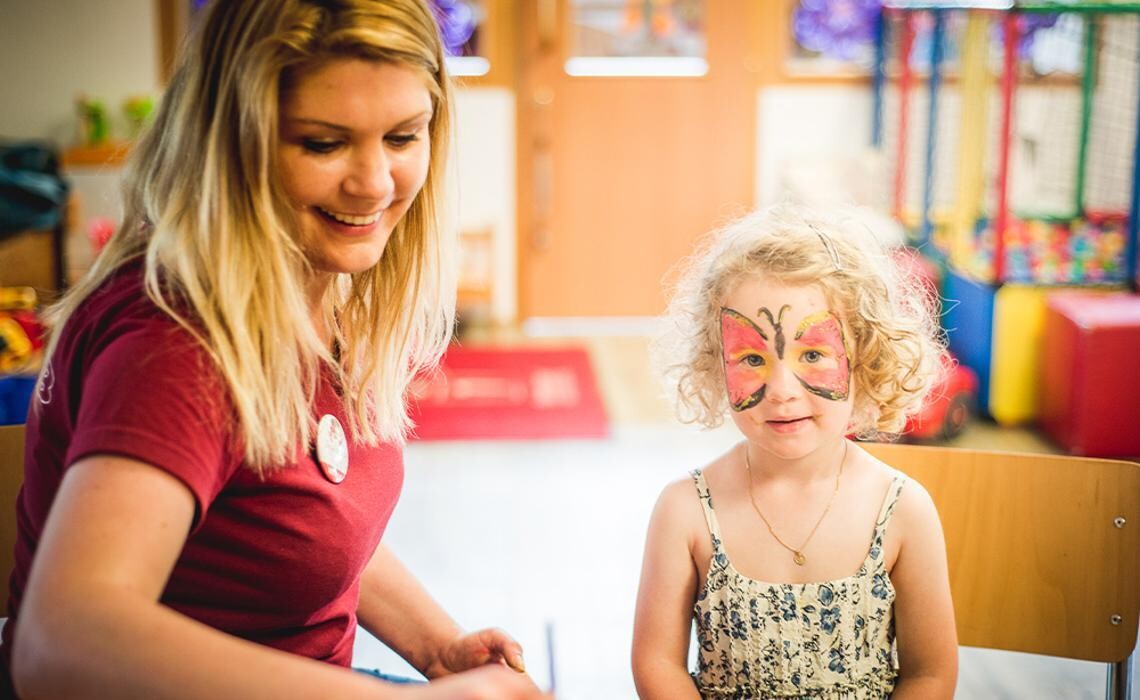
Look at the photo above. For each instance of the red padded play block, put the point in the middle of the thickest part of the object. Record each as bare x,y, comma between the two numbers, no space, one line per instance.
1090,373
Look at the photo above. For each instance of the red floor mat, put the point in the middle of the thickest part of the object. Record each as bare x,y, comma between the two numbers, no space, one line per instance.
510,393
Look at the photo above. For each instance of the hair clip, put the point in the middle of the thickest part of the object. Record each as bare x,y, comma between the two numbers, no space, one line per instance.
829,245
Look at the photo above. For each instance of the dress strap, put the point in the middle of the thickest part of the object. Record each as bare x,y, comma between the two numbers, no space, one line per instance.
889,501
894,490
707,507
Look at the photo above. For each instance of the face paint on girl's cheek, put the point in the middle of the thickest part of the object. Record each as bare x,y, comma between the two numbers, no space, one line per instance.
822,364
747,359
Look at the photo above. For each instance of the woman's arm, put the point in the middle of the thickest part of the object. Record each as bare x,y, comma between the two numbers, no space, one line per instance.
399,612
924,613
663,621
90,623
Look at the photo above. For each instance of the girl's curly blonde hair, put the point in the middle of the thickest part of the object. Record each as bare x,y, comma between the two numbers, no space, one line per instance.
890,315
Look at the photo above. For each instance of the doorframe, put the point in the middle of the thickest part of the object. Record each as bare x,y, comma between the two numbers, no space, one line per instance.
768,45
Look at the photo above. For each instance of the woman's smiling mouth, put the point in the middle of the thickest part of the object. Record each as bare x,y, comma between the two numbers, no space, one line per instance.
352,219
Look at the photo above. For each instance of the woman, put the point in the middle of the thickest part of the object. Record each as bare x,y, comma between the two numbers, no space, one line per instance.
215,448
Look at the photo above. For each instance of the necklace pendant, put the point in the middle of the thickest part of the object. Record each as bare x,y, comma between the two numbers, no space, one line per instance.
798,558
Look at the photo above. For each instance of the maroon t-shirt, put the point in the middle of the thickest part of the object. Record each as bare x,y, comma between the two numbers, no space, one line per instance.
276,560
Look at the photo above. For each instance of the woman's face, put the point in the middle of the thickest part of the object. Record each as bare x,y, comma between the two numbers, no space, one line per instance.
353,153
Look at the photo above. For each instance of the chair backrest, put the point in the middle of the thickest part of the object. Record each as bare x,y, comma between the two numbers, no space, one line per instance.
1044,550
11,477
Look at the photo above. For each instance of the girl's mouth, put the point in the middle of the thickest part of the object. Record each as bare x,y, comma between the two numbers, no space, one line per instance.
788,425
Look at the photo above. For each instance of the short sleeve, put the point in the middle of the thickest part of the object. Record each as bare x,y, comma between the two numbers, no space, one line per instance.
151,393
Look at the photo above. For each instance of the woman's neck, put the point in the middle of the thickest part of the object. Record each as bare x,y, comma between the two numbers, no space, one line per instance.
317,290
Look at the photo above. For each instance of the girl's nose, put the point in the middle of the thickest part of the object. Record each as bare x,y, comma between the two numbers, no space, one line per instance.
370,176
783,384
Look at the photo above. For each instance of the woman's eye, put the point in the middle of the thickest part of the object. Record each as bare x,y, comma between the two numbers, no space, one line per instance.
401,140
812,356
319,146
753,360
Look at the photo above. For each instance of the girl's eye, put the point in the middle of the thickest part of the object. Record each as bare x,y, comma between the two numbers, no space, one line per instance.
812,356
319,145
753,360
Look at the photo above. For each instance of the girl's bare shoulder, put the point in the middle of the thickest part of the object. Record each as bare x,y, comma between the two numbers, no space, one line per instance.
680,500
915,508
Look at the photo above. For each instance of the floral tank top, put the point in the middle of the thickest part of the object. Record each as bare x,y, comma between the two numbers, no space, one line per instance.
832,639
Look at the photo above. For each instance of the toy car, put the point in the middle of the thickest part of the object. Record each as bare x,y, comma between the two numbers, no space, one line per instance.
949,406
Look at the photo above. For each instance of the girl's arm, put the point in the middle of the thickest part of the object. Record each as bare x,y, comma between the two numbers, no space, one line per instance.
399,612
90,623
663,621
924,613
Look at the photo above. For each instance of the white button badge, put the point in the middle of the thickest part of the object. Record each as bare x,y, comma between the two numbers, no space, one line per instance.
332,448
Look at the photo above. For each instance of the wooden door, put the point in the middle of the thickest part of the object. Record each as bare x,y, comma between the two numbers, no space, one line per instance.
620,176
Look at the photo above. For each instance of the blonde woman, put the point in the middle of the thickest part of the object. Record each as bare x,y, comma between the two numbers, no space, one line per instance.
216,446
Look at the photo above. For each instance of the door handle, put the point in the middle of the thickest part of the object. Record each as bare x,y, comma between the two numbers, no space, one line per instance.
543,198
547,24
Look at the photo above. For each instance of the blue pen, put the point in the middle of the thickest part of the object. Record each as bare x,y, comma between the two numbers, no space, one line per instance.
550,653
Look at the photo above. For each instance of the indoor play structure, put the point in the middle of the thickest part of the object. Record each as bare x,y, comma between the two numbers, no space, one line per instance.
1010,133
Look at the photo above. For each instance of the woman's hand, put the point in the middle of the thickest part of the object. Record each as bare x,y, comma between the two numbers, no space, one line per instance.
486,683
487,646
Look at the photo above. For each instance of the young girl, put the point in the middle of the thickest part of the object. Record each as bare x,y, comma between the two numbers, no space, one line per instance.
811,568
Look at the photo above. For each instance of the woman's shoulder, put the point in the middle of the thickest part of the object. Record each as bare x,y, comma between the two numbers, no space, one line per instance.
120,307
117,337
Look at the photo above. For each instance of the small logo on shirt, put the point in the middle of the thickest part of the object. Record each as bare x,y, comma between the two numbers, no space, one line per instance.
47,383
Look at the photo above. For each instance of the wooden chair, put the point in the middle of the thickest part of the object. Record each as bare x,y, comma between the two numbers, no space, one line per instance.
1044,550
11,477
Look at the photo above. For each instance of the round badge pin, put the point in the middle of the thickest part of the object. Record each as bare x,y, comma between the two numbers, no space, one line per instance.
332,448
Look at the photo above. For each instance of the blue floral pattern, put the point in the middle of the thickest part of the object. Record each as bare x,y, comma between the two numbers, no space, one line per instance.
832,640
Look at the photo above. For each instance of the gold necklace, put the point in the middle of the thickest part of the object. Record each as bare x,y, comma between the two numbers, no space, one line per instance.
797,553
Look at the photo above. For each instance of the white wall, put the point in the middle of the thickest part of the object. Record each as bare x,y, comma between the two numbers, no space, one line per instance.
812,136
53,50
485,167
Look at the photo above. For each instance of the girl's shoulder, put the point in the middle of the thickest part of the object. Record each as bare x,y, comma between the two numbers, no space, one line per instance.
680,500
914,508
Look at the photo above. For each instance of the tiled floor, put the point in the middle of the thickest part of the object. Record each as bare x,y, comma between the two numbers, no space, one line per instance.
519,534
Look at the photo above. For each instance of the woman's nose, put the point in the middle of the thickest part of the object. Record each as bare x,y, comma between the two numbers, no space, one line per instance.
371,176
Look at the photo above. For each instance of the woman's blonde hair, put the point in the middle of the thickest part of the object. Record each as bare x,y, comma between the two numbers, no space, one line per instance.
204,210
890,315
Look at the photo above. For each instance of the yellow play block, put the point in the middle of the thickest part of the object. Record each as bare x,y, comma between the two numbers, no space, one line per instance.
1019,315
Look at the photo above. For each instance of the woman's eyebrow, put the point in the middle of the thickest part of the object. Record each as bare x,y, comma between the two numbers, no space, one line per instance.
304,121
341,127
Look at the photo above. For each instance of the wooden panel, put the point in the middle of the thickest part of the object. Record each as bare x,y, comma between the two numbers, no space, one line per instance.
498,45
1036,562
619,176
28,259
11,476
172,19
108,155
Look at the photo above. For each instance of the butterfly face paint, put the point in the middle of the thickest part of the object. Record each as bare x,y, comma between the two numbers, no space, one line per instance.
748,357
820,358
817,353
